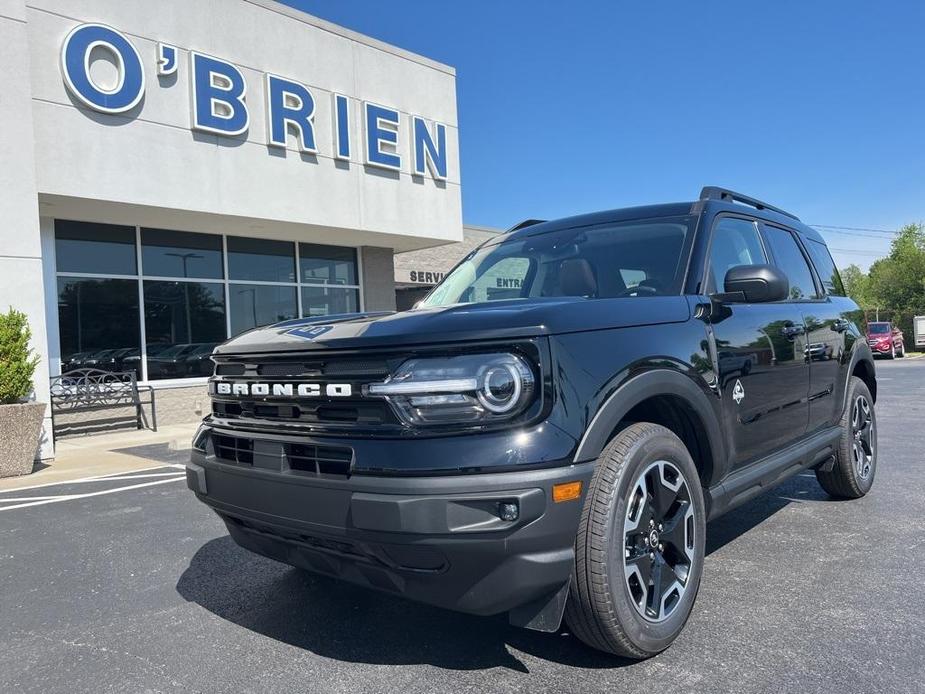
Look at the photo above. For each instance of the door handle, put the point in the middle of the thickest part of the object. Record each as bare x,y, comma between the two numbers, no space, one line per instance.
791,331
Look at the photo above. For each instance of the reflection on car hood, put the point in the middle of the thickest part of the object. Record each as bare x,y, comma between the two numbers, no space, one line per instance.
486,321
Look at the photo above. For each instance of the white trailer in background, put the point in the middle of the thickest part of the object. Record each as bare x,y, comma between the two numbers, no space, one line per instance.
918,327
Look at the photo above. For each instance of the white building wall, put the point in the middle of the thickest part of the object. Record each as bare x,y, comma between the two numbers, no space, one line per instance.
20,246
148,167
150,156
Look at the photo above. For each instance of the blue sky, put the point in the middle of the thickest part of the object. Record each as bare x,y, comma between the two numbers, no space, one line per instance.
818,107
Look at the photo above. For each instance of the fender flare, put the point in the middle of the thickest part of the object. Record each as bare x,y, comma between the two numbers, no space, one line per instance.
642,387
860,352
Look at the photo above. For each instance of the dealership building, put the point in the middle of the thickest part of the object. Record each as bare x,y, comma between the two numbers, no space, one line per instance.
175,173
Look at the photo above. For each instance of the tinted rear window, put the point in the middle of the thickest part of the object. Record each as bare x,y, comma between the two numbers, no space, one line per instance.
825,266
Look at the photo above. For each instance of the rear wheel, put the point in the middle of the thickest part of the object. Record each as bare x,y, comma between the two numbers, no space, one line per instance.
852,476
640,545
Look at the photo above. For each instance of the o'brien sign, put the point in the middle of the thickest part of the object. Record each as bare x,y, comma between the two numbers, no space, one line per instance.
218,102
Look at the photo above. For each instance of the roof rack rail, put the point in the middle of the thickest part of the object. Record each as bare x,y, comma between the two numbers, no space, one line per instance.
717,193
524,224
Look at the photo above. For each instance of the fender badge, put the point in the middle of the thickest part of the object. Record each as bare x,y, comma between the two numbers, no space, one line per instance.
310,332
738,392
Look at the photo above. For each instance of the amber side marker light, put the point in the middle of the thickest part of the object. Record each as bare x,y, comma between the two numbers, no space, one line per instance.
566,491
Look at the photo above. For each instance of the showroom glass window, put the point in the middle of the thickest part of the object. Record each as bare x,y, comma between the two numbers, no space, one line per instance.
184,312
329,279
98,319
262,288
181,293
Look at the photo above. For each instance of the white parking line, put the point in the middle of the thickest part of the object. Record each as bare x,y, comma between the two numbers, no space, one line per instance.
71,497
97,478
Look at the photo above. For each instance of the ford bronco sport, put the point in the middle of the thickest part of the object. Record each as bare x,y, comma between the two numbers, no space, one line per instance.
549,431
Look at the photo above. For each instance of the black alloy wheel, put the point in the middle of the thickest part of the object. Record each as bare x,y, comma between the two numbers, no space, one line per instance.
851,474
659,540
864,435
640,545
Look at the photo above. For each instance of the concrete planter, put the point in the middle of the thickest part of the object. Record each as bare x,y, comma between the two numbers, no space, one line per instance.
20,428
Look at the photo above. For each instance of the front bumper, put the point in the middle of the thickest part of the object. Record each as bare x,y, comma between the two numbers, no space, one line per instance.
438,540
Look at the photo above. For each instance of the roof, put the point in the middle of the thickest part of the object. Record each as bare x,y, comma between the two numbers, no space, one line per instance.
672,209
304,17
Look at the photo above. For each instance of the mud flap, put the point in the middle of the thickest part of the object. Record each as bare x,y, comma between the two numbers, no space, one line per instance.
542,614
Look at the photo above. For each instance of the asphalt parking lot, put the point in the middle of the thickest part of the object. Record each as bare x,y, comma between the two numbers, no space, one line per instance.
129,585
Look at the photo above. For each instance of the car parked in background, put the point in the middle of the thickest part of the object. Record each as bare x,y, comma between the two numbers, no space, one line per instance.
199,362
885,340
171,362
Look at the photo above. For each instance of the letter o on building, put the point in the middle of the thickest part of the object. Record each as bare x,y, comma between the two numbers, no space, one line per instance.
75,67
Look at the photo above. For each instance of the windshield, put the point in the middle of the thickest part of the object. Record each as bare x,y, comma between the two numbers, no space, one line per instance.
633,258
878,328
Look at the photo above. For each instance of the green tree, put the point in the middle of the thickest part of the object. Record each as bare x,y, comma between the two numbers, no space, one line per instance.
897,283
856,285
17,363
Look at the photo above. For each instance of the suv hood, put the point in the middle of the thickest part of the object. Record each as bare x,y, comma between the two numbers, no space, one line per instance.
515,318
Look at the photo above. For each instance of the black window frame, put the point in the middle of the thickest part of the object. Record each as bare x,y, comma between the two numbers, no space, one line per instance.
825,248
707,278
817,285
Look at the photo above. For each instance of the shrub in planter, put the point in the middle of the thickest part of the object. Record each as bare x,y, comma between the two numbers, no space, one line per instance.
20,421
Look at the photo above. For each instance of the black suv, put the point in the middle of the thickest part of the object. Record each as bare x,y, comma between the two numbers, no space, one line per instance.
549,431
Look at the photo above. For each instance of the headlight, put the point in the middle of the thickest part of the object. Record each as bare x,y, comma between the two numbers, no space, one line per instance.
471,388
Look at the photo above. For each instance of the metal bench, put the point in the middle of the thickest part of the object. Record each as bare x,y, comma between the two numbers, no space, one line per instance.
91,390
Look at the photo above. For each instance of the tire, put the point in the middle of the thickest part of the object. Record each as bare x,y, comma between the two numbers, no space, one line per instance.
852,476
902,351
607,607
892,354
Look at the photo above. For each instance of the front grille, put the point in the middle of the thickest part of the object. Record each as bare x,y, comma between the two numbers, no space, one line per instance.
229,370
320,460
234,450
289,369
322,412
334,415
303,458
298,367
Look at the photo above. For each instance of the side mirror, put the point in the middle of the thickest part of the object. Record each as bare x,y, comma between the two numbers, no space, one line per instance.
754,284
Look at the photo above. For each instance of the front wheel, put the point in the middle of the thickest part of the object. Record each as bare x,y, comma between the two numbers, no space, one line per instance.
640,545
852,475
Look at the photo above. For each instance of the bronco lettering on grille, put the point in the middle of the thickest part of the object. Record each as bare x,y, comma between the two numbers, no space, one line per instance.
282,390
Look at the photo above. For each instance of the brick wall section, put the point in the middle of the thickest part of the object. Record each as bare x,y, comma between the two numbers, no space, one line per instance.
174,406
442,258
182,405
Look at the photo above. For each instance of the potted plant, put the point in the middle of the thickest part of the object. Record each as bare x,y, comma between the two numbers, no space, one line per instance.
20,421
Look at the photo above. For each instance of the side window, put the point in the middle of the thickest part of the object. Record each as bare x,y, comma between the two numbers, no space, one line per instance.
735,242
825,266
791,260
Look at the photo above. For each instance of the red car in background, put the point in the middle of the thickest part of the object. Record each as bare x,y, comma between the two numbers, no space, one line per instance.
885,340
